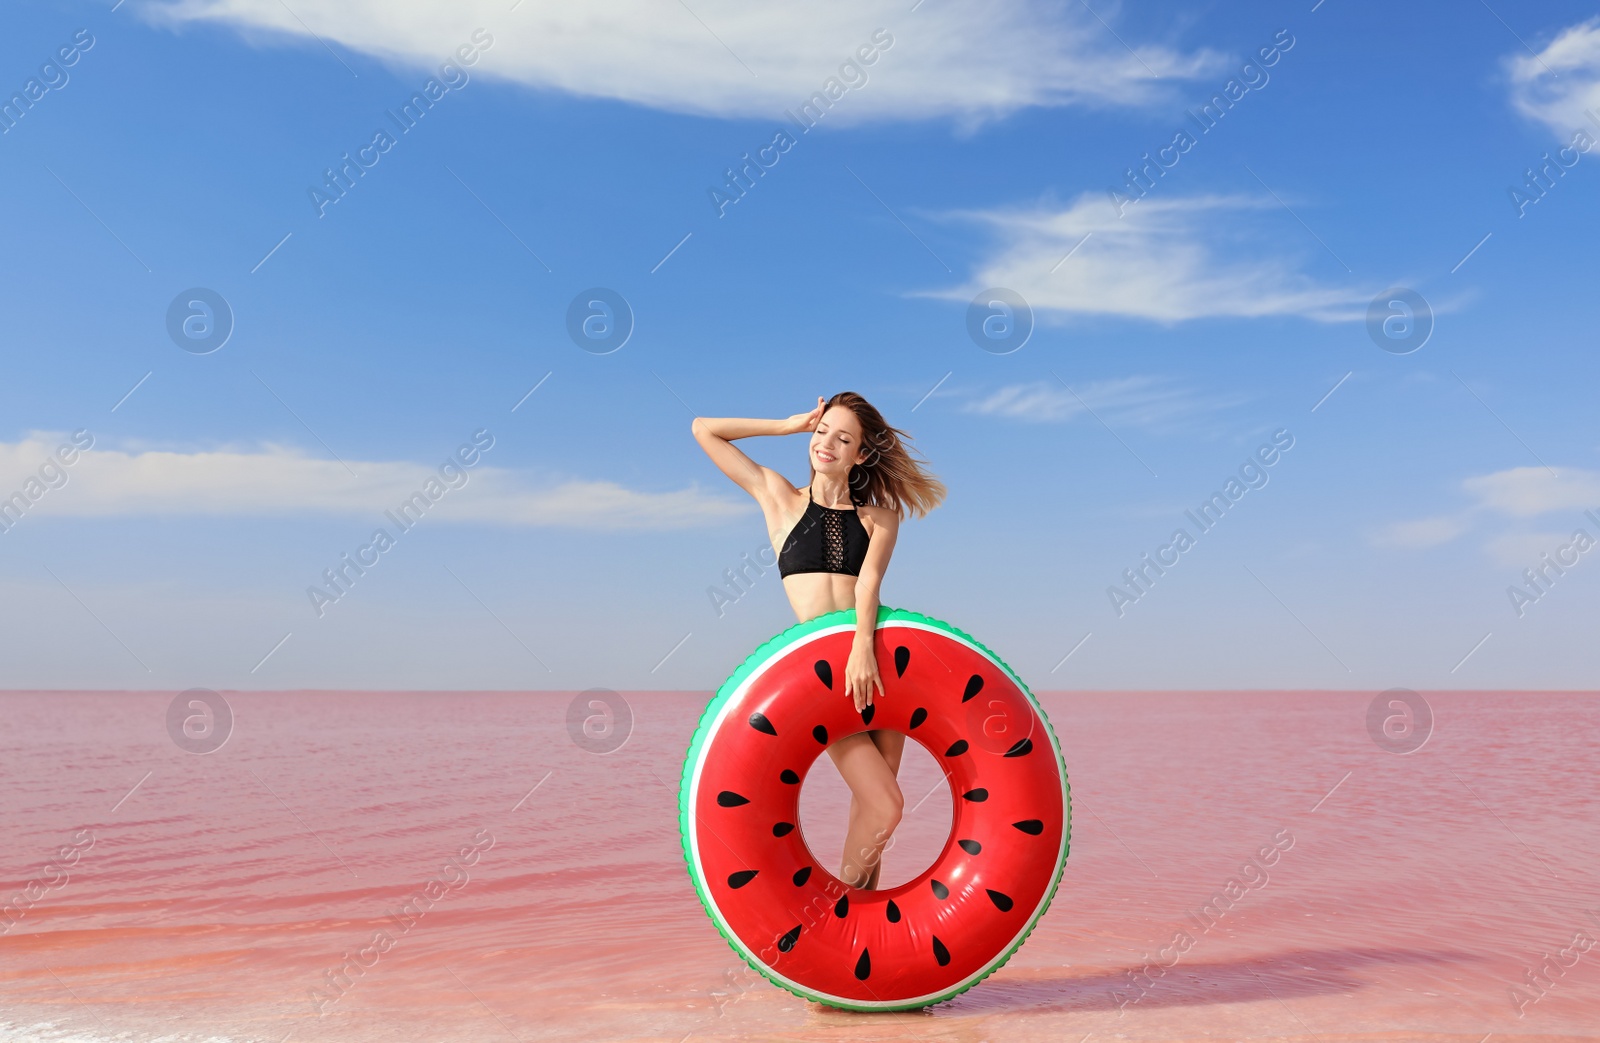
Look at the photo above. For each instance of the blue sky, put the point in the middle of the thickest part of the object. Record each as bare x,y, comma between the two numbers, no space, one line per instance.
579,147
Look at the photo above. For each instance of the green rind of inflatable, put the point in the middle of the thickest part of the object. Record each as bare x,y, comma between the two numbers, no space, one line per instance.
771,648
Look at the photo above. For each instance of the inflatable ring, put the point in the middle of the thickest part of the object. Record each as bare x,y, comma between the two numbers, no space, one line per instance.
780,909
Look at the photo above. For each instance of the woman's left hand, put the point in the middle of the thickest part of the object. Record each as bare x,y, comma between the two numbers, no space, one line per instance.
861,676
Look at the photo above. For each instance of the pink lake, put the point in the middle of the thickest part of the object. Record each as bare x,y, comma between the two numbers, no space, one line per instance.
209,896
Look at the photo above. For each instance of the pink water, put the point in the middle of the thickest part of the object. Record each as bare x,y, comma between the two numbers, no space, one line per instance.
219,889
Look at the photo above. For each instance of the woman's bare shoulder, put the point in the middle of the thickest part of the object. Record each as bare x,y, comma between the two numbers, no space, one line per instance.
878,519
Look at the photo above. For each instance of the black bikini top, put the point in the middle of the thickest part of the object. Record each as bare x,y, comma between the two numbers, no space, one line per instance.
825,539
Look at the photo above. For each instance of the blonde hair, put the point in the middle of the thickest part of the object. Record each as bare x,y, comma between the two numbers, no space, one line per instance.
891,477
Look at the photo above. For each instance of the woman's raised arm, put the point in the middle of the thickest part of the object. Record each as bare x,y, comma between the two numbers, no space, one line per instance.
716,435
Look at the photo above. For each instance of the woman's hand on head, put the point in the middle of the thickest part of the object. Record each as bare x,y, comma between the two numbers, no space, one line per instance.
861,679
805,423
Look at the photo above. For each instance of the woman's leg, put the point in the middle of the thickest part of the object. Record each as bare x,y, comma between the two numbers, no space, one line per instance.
891,745
875,805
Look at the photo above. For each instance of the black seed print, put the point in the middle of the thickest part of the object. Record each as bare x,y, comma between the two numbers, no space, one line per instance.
789,777
940,891
893,912
820,734
783,829
867,712
1023,746
974,686
842,907
940,953
863,966
802,876
957,748
918,716
902,659
787,941
1001,902
759,722
971,847
824,672
1031,826
742,877
977,796
729,799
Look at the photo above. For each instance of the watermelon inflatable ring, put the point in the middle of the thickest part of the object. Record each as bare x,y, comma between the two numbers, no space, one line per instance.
774,901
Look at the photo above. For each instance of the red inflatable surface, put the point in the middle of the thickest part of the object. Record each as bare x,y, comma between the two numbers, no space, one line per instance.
781,908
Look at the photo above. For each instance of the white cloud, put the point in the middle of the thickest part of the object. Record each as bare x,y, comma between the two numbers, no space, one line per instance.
1526,491
1523,550
1158,261
108,482
1420,533
729,59
1560,86
1517,492
1125,402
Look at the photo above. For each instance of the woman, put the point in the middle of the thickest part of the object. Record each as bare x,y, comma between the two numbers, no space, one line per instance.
835,539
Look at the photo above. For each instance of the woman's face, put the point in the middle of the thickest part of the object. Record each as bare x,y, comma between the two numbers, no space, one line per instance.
836,443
